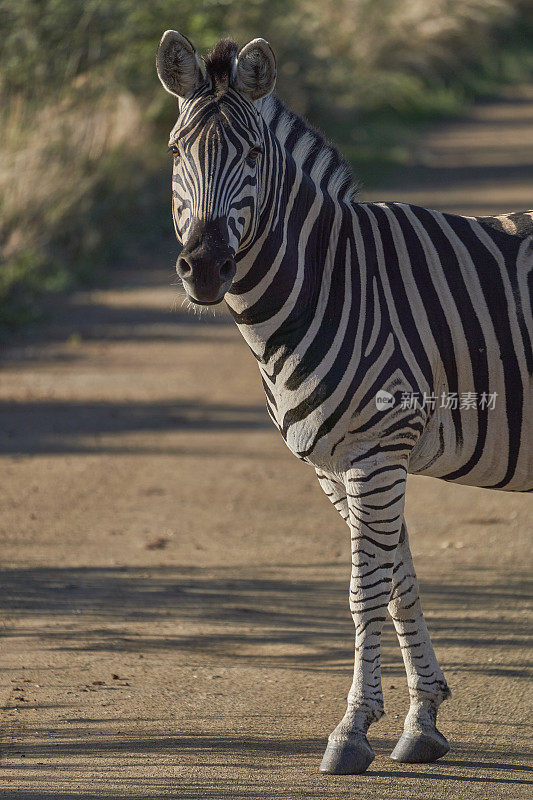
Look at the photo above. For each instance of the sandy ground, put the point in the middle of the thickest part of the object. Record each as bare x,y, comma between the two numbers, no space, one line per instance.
174,583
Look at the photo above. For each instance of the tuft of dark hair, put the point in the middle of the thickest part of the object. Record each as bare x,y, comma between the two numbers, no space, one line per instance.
219,64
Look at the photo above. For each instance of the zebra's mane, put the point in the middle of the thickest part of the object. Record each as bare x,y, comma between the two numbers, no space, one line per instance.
219,64
310,150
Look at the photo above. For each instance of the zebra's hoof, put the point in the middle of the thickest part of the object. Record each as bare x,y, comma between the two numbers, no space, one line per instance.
420,748
347,758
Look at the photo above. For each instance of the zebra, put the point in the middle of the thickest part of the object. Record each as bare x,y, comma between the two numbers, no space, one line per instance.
390,339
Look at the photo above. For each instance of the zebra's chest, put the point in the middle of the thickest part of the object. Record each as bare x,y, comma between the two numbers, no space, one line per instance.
298,411
315,417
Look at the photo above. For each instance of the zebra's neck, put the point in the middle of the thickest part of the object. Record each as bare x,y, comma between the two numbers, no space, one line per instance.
306,198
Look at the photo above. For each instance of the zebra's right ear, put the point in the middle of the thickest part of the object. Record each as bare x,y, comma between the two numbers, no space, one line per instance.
178,65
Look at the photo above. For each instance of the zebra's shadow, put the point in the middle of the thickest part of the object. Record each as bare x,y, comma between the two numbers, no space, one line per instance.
281,615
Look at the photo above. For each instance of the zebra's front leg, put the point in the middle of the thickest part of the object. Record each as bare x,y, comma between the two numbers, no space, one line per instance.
375,500
421,742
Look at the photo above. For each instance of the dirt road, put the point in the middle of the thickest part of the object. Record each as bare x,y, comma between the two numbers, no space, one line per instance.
174,583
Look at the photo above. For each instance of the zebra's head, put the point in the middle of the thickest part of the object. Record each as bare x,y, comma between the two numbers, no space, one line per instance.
217,144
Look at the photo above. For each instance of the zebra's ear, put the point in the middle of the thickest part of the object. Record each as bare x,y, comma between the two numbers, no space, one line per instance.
255,73
178,65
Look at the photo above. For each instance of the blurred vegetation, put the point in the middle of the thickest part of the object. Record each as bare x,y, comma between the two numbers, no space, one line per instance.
84,181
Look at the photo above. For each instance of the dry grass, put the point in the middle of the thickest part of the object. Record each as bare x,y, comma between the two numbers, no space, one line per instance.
59,167
385,54
50,160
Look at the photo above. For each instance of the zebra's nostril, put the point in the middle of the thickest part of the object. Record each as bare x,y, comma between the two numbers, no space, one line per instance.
183,268
227,270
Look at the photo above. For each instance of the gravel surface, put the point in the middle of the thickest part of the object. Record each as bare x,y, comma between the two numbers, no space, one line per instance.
175,585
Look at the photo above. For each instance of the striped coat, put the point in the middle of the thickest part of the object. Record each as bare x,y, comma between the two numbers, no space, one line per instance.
389,338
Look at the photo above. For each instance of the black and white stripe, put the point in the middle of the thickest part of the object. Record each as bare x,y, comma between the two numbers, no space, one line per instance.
339,300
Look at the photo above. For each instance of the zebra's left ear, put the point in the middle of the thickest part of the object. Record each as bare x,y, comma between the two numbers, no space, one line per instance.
255,73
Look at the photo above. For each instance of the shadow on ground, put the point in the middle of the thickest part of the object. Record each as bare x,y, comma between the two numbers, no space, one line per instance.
97,317
250,753
292,619
69,426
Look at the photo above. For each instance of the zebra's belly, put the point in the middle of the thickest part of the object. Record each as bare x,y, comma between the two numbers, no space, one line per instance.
493,454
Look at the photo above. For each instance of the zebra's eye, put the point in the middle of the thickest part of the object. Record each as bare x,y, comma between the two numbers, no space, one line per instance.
173,148
253,155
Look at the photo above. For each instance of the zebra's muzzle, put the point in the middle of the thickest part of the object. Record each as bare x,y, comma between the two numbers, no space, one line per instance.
208,286
206,265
